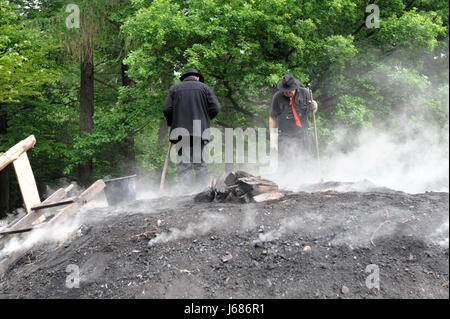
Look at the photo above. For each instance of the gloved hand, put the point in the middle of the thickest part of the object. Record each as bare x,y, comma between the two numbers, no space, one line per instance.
313,106
274,139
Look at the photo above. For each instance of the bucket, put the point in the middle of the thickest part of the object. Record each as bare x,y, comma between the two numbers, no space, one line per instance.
120,190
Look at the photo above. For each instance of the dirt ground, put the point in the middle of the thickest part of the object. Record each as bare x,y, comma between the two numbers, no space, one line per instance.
327,241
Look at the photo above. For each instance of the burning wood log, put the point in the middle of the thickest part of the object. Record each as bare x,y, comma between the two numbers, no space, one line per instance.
239,186
268,197
205,196
256,185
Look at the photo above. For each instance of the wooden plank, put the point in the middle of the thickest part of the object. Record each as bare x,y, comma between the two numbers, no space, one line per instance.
55,204
260,189
84,197
241,174
30,219
255,181
255,186
231,179
268,197
27,183
54,198
16,231
14,152
40,220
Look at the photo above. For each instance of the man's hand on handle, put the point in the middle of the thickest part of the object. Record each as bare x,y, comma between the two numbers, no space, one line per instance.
313,106
273,139
273,134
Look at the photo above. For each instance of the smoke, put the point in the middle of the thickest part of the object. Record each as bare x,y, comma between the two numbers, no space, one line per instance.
359,229
306,224
148,187
406,150
440,234
51,232
415,164
249,221
47,233
287,225
12,217
209,223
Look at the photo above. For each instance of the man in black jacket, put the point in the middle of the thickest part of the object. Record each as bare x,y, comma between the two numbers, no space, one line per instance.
189,108
289,112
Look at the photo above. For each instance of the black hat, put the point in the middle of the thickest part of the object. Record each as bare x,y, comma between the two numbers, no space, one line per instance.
190,72
288,83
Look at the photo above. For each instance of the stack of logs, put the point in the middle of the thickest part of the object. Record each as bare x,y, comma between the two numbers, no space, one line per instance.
240,187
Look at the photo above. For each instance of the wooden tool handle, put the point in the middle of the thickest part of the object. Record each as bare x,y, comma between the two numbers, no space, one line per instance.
163,175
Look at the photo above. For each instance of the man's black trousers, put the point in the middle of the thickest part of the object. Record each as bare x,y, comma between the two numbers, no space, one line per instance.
191,157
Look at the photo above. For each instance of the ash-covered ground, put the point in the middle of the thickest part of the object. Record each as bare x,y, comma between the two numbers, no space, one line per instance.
328,241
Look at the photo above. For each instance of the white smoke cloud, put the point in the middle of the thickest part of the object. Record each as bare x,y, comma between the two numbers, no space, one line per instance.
48,233
414,165
306,224
440,234
249,221
287,225
360,229
413,162
209,223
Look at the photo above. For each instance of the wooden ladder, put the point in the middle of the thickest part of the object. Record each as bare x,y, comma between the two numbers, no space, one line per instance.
35,210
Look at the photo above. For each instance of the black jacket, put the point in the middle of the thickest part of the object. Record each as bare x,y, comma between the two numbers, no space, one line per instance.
188,101
282,111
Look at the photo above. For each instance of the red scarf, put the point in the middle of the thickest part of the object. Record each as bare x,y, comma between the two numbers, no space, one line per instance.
297,120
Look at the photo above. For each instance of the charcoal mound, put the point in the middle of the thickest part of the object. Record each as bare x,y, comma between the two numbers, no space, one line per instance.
318,244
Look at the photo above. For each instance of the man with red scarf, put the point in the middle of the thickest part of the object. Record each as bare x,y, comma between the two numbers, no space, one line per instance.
289,113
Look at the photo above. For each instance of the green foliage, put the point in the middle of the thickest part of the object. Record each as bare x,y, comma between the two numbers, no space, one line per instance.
23,61
411,30
352,113
243,48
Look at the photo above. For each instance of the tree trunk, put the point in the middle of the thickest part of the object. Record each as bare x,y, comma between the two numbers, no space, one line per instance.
126,81
163,134
163,138
129,147
4,174
130,156
4,193
85,171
